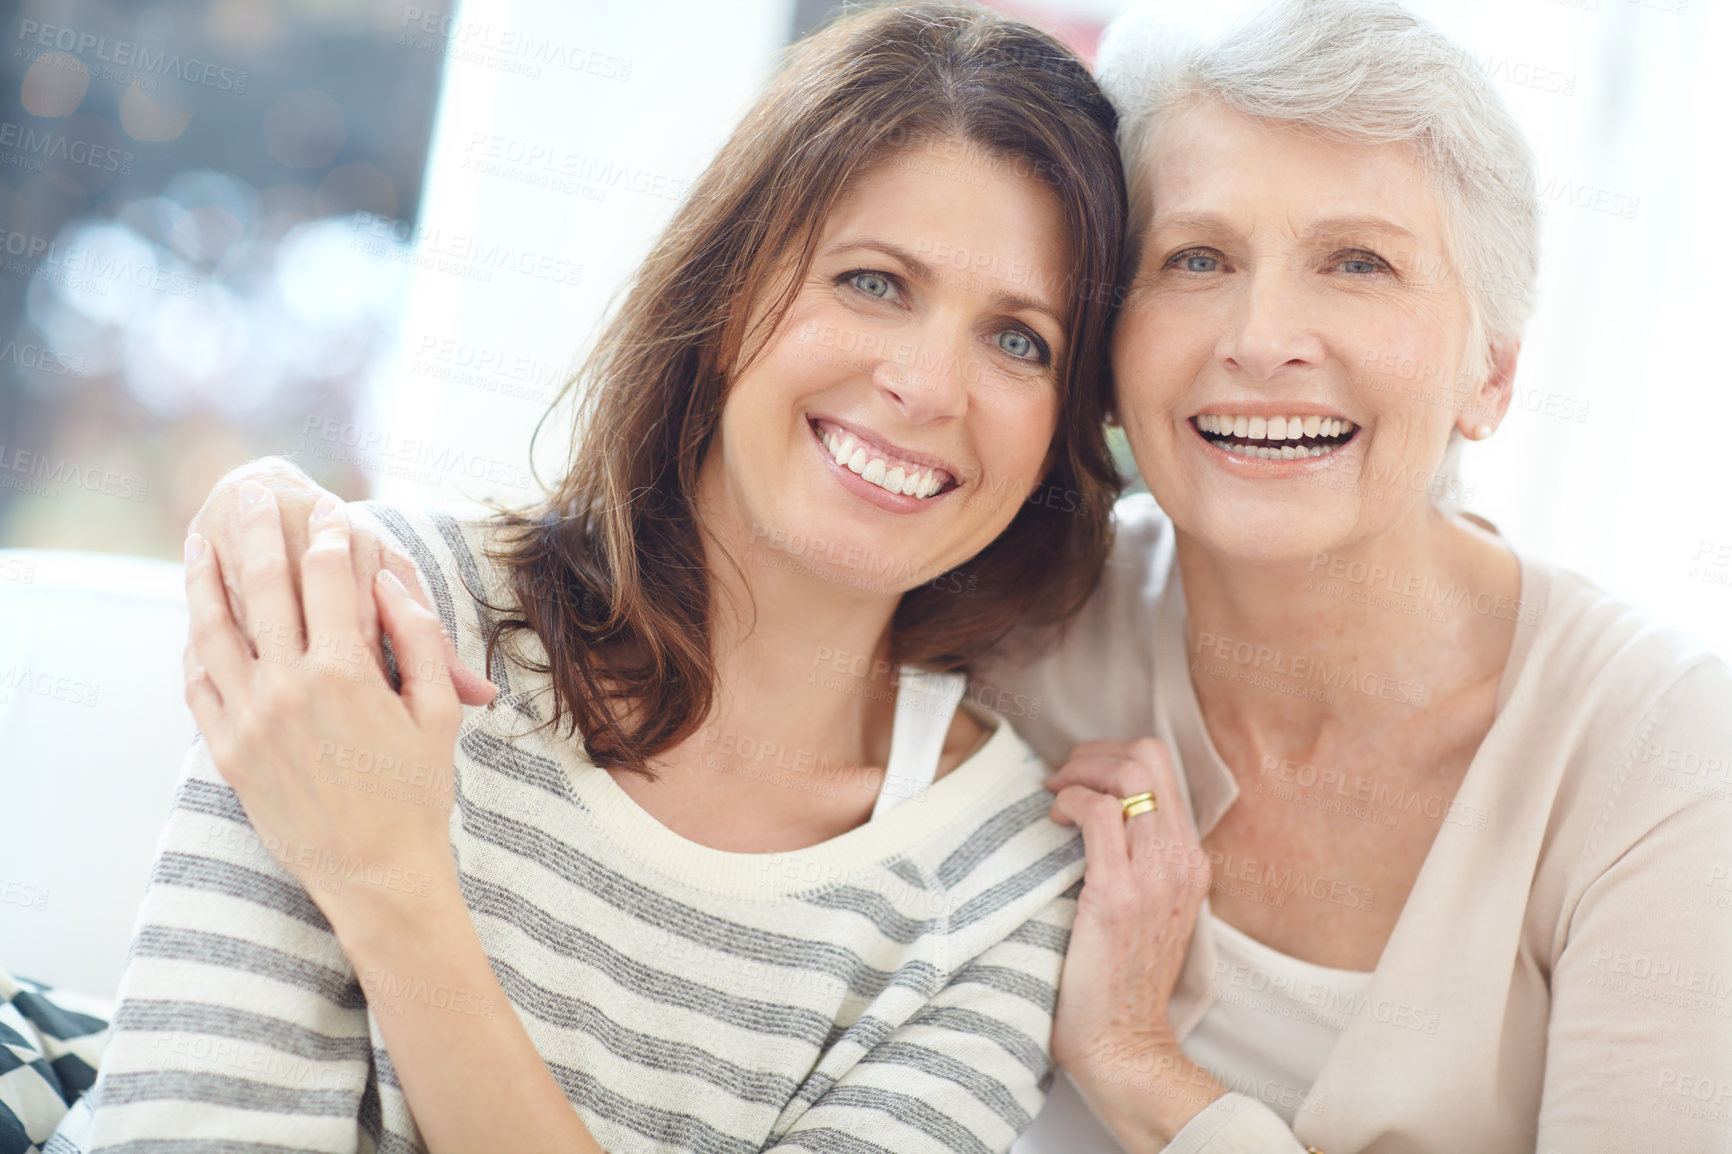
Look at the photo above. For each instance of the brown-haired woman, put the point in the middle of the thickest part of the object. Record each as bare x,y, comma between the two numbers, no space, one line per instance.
819,448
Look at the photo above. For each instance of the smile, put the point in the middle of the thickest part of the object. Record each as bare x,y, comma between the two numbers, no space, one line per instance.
891,470
1275,438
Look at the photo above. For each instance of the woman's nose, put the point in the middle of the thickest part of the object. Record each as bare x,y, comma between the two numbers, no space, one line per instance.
930,381
1272,326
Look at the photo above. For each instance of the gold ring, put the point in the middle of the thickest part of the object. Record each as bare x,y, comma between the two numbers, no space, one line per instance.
1138,803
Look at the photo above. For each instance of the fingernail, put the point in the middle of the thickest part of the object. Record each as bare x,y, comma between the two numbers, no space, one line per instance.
390,581
194,547
251,494
325,507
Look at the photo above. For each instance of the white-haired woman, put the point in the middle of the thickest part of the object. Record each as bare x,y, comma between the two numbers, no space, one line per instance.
1468,892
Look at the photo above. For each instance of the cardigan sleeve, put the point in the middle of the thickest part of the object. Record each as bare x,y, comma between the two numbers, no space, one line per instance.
1639,1047
1235,1124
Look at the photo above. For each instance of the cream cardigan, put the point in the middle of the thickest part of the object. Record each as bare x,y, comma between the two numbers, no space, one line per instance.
1560,979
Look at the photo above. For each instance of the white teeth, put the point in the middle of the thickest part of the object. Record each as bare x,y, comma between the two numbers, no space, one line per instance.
851,453
1273,430
1270,453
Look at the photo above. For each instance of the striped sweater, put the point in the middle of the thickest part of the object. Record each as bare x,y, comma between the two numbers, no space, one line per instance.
888,990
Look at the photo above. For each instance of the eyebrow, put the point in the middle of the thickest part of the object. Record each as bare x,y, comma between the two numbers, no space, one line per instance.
1340,224
1207,221
924,271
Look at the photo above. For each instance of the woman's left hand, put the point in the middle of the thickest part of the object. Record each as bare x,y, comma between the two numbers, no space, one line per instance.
1146,879
347,782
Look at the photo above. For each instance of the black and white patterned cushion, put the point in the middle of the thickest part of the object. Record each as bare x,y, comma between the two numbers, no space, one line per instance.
50,1043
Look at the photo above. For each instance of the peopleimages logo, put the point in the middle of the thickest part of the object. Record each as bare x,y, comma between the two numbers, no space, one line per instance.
125,54
49,145
18,465
132,56
95,266
371,448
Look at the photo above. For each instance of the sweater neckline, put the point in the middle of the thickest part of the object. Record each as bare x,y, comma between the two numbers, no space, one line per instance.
775,875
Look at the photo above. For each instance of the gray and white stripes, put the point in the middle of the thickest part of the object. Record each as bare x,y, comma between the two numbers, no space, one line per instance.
889,990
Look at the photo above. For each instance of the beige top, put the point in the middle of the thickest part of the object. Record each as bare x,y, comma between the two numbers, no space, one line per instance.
1560,979
1274,1020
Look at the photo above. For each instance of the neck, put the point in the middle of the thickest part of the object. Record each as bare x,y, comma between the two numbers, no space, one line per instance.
803,675
1360,640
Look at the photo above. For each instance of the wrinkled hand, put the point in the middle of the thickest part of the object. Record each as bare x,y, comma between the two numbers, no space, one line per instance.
222,517
1146,879
346,781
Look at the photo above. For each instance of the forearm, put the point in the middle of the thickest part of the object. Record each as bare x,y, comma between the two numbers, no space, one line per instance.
473,1078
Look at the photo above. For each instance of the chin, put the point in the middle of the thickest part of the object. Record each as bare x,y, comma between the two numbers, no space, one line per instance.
1270,533
836,548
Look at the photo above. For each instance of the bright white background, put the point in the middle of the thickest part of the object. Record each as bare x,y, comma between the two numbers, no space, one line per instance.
1626,104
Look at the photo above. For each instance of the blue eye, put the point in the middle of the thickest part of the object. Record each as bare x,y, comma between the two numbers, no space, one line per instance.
1017,344
1361,264
1195,260
871,283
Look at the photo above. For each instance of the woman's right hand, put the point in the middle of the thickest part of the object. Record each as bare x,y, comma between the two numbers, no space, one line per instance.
219,522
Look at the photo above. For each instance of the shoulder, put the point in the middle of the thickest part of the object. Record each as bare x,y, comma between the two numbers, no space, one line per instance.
1642,711
1092,677
466,588
995,848
1598,662
1595,632
447,546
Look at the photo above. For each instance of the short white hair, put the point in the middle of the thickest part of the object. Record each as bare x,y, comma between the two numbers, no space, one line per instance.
1366,71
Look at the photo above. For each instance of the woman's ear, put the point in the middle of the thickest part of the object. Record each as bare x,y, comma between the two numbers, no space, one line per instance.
1481,418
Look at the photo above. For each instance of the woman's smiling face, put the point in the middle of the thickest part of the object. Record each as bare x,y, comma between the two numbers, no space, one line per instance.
897,418
1290,360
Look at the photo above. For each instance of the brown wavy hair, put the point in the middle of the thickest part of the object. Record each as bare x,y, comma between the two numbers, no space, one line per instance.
609,570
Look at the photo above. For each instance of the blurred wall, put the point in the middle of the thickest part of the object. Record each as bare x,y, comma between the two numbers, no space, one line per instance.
545,188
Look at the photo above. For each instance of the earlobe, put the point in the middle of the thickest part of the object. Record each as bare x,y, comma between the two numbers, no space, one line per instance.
1493,398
